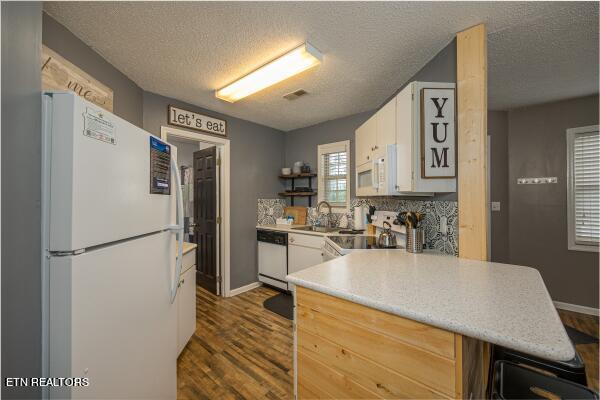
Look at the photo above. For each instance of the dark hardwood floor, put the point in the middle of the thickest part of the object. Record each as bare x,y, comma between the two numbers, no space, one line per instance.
242,351
589,352
239,350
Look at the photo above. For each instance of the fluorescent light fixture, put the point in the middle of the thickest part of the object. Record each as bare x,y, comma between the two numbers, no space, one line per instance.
298,60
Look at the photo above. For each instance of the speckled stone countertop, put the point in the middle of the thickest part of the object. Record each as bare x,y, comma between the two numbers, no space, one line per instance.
502,304
290,229
187,247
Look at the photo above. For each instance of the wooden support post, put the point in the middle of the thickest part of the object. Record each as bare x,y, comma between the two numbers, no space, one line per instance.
473,203
473,196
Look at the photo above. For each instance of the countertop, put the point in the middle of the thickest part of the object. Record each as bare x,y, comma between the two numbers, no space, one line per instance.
289,229
498,303
187,247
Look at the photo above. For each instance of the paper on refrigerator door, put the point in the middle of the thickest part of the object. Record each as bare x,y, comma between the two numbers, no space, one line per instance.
96,126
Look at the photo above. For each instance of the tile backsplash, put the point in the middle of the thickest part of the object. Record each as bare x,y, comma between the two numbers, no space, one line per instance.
271,209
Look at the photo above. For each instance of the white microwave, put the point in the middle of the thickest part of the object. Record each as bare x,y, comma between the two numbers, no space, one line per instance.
378,177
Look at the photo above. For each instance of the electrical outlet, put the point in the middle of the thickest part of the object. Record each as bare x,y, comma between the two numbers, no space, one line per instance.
495,206
444,225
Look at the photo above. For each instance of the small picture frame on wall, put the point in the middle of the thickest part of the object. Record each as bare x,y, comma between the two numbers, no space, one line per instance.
438,133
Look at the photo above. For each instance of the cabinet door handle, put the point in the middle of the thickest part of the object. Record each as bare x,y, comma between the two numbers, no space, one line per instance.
291,240
375,148
368,157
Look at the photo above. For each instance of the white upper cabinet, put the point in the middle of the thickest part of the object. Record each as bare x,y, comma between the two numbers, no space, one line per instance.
425,138
366,140
372,141
402,125
377,132
386,127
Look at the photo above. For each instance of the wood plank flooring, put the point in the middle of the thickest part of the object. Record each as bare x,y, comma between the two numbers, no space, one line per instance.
589,352
239,350
242,351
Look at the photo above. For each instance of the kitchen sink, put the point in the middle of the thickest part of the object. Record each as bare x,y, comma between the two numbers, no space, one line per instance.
323,229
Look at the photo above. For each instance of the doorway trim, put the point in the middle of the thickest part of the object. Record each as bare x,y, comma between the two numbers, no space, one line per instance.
225,226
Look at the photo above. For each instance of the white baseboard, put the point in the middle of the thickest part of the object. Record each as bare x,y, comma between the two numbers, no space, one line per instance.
577,308
240,290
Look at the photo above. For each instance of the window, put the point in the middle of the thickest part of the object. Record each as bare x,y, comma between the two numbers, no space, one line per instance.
334,174
583,180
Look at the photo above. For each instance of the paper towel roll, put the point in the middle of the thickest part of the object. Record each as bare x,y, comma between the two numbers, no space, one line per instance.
359,218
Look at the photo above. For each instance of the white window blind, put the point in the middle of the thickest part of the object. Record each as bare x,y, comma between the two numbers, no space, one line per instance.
584,187
334,174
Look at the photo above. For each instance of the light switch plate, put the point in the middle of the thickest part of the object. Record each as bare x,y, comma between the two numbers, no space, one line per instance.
495,206
444,225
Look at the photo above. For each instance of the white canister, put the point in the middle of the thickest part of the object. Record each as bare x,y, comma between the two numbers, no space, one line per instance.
359,217
298,167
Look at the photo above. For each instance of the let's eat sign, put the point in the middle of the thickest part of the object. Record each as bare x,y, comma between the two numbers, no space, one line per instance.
196,121
438,141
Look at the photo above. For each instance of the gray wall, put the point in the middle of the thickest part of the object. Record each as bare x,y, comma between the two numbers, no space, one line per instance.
498,132
127,102
185,151
301,144
538,213
256,157
21,195
441,68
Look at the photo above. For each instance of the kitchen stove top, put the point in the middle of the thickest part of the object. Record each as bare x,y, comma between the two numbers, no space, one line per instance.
358,242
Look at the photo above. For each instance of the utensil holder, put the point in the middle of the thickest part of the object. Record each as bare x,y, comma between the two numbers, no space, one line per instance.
414,240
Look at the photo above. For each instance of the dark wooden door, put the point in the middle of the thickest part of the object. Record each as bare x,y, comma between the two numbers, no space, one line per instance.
205,217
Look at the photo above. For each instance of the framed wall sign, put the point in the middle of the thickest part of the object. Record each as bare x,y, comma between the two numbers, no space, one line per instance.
438,138
198,122
60,74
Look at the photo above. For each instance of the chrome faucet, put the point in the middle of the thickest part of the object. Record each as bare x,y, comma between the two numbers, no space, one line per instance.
328,211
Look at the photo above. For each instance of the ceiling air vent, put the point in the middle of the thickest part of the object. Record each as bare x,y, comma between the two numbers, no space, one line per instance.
295,95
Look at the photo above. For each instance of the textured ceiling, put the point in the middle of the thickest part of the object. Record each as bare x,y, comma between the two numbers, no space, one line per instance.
551,57
185,50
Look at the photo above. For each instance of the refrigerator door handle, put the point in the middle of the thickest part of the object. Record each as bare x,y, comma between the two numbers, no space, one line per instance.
177,229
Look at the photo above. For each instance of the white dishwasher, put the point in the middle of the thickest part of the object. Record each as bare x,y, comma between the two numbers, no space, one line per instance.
272,258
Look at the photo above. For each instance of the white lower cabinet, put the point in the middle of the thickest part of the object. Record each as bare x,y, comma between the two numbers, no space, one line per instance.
304,251
186,303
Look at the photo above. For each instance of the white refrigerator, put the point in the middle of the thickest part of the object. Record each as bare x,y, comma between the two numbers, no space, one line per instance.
112,233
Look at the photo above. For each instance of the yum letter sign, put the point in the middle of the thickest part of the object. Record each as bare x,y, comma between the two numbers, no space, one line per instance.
438,141
195,121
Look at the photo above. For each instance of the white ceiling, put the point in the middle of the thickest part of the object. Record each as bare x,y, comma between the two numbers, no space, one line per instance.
185,50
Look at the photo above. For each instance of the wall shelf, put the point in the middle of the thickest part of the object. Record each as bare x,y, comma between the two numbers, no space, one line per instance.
295,176
298,194
293,194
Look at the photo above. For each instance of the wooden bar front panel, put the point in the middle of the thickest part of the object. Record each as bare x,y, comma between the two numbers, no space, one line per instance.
346,350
